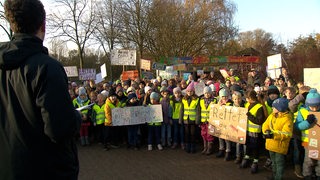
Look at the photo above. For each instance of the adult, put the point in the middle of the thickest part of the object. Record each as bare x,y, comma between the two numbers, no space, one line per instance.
37,119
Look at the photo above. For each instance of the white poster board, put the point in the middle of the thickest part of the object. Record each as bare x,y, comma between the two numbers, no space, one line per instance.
145,64
274,73
71,71
87,74
311,77
123,57
98,78
168,73
274,61
103,70
136,115
198,88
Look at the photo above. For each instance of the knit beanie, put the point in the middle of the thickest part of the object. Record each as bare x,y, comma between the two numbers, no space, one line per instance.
207,89
281,104
177,89
82,91
313,98
154,96
132,95
112,93
273,90
190,87
235,87
163,88
163,83
105,93
147,88
213,87
223,92
131,89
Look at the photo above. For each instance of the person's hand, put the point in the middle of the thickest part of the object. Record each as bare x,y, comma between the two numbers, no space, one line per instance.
250,116
311,118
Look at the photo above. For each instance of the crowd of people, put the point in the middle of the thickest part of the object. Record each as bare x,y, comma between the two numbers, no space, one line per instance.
278,118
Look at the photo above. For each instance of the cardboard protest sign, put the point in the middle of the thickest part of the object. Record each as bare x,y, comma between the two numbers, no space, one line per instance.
314,138
228,122
136,115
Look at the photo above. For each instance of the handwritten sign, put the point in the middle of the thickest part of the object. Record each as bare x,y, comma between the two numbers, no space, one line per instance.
71,71
198,88
136,115
314,139
228,122
274,61
311,77
123,57
87,74
145,64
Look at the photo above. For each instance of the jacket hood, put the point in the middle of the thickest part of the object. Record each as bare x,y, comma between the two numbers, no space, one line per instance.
15,52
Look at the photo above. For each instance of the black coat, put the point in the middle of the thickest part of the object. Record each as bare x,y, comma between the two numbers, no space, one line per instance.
37,119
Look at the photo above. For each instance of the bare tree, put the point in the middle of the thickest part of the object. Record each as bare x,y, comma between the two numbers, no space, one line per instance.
74,21
58,48
4,24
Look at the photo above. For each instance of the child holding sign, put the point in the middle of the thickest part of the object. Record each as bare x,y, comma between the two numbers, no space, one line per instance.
304,121
277,130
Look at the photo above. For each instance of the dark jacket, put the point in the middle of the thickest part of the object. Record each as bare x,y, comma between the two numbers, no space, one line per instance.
37,119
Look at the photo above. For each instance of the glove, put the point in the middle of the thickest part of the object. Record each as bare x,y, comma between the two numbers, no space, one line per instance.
268,134
250,116
311,118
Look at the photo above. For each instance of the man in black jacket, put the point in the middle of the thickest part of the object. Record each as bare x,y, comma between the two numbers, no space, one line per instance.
37,119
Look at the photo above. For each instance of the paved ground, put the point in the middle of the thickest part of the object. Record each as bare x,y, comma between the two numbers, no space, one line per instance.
122,163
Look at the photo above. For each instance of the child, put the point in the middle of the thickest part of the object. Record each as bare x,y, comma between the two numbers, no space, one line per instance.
277,130
304,121
224,145
188,117
154,128
83,100
178,130
256,118
203,116
133,138
111,102
240,148
167,117
99,117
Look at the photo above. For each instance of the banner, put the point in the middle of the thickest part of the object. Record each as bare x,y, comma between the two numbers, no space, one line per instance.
87,74
158,66
274,61
168,73
129,75
71,71
314,139
136,115
123,57
228,122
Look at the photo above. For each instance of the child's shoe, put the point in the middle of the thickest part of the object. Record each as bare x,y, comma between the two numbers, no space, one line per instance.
183,146
220,154
149,147
227,156
244,163
254,168
174,146
160,147
238,160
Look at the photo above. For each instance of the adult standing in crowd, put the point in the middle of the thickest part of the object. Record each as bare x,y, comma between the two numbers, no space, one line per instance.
37,119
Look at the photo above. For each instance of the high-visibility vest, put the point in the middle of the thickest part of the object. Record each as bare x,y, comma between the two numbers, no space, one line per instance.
205,110
295,114
190,110
252,127
100,114
176,109
304,134
269,108
77,104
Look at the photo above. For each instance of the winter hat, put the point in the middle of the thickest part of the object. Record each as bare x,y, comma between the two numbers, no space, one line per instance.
273,90
235,87
213,87
74,84
147,88
105,93
207,89
223,92
82,91
154,96
163,88
282,78
132,95
112,93
163,83
130,89
190,87
177,89
281,104
313,98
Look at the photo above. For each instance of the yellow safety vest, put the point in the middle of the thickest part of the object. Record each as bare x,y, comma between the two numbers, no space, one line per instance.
76,104
252,127
176,109
100,114
205,110
269,108
190,110
304,134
